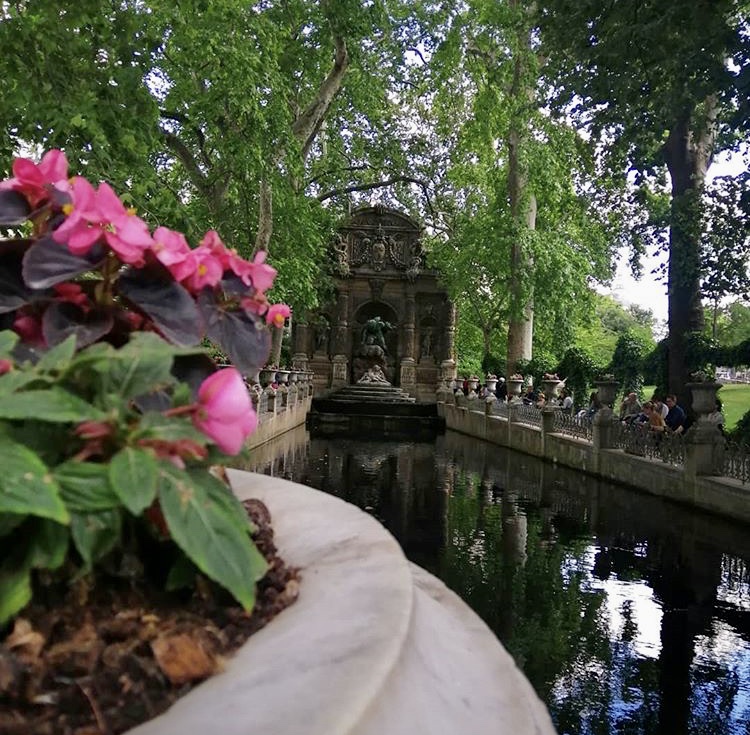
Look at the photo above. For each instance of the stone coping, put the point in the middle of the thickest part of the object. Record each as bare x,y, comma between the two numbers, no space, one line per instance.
372,645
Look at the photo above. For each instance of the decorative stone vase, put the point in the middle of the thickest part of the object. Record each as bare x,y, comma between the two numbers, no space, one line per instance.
551,388
514,388
473,383
266,376
607,390
491,384
294,375
282,377
372,645
704,396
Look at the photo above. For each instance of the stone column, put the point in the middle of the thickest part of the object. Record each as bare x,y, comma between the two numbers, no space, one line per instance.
277,334
450,333
340,345
300,341
409,325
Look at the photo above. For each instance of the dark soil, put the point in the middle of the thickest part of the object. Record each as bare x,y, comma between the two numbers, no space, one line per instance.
103,660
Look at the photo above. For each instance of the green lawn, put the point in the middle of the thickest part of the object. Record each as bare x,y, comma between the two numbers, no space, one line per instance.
734,396
736,400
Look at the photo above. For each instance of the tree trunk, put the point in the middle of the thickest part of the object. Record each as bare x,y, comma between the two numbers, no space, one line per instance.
523,211
688,156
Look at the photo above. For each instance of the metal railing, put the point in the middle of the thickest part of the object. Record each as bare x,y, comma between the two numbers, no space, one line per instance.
736,462
580,427
528,415
641,440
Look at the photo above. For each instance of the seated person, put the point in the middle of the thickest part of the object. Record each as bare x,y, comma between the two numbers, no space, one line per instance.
675,418
529,397
567,401
630,407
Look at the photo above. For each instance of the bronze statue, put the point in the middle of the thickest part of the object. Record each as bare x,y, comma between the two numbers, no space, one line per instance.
373,333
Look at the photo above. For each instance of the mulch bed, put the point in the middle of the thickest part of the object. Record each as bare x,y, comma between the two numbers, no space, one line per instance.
103,660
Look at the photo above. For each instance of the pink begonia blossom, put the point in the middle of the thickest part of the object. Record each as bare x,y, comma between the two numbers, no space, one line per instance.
208,270
73,294
277,314
225,413
172,251
34,180
261,274
5,366
29,329
93,215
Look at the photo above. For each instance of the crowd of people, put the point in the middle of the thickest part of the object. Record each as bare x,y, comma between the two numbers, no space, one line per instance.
659,414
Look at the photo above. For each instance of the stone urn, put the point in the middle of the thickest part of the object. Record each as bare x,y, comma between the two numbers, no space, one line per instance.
551,388
491,384
266,376
473,383
607,390
514,388
703,396
282,377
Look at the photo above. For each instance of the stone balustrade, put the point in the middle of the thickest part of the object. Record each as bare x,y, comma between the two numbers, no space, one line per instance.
698,468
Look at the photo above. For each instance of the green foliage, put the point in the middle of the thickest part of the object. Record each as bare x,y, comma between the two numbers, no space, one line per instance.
655,367
627,361
741,432
578,370
111,468
542,362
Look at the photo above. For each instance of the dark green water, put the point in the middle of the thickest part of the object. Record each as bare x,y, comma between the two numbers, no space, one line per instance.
626,613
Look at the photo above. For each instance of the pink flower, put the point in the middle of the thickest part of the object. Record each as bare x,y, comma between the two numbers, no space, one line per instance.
73,293
34,181
29,329
172,250
93,215
208,270
5,366
261,274
277,314
225,413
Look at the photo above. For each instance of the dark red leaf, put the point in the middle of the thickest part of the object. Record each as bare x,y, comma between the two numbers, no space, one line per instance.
47,262
14,209
244,338
166,302
62,318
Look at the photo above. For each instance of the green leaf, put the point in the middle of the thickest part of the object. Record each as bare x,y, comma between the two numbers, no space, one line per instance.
8,521
59,357
181,575
133,474
8,341
48,545
26,486
154,424
95,534
15,379
85,486
15,592
210,536
134,372
54,405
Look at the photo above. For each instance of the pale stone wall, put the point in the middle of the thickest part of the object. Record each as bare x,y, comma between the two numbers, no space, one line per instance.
722,495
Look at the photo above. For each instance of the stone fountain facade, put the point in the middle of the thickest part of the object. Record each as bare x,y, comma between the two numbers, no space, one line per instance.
379,270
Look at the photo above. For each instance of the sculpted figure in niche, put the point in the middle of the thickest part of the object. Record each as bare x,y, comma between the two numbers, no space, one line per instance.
342,256
322,332
427,343
373,333
378,253
374,374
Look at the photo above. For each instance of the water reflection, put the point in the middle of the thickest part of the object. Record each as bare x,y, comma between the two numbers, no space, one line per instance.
627,614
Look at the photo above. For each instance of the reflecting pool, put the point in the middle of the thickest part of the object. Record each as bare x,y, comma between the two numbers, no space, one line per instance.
627,613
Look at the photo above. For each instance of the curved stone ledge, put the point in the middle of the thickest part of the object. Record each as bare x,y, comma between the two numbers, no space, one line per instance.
373,645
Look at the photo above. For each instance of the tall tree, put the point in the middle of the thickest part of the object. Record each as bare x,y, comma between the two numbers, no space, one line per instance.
522,236
211,114
658,84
